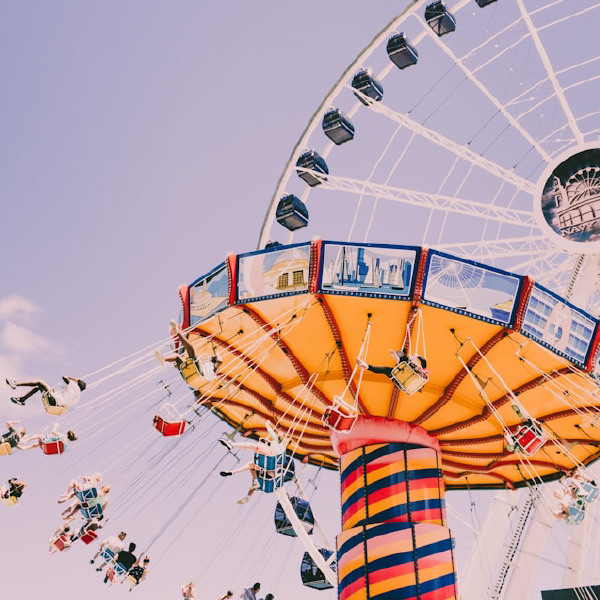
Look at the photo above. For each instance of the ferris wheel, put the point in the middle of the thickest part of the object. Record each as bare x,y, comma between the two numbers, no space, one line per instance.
468,127
461,127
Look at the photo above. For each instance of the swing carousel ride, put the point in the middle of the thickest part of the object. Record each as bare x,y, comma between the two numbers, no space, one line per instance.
449,339
484,273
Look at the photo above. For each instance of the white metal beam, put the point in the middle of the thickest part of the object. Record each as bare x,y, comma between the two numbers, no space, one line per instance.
459,150
441,202
304,537
550,71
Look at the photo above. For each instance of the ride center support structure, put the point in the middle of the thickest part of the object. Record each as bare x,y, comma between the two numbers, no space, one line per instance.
394,543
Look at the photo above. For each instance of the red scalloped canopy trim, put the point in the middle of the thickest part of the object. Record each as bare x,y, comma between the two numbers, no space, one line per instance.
380,430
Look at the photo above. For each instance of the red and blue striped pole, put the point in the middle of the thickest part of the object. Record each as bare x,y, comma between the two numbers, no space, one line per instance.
395,543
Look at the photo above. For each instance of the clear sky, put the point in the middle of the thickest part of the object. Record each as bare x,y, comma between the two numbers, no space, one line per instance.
140,142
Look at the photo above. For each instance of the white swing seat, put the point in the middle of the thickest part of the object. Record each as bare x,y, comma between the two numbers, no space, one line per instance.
53,409
340,416
407,379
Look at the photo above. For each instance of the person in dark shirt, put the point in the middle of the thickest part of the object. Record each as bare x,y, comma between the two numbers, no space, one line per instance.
125,559
14,488
138,572
13,436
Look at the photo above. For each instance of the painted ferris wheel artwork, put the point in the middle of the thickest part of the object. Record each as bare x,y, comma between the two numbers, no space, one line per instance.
422,313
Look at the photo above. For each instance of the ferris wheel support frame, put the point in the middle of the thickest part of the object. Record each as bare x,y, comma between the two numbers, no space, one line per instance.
525,561
290,513
488,546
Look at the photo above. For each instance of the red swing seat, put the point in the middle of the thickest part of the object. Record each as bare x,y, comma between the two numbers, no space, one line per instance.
529,439
60,543
89,536
53,447
168,428
337,420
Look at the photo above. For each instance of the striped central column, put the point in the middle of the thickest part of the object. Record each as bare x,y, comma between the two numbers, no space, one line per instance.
394,544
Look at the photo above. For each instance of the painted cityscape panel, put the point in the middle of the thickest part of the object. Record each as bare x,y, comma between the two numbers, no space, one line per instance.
470,288
367,270
555,323
209,294
272,273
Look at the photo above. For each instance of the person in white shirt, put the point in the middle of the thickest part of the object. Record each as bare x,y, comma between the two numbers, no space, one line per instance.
114,544
68,395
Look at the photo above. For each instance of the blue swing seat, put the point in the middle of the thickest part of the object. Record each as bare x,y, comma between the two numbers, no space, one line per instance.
591,492
273,471
576,513
84,496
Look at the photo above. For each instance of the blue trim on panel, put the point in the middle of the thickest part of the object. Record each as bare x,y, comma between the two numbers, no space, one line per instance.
199,279
574,308
461,311
266,251
403,297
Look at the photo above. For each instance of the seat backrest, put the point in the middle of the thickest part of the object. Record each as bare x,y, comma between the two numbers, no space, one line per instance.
53,447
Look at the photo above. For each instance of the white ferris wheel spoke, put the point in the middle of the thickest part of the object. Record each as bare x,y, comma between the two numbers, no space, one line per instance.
560,94
490,97
457,149
428,200
506,248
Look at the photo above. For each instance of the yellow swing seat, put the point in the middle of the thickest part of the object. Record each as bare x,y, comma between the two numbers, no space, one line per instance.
56,410
5,449
10,501
191,372
407,379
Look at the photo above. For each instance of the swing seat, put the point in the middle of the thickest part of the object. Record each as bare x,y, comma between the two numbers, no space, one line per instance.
576,514
60,543
407,379
590,494
56,409
116,571
340,416
273,471
191,372
5,449
89,536
84,496
91,511
529,439
132,581
108,555
53,447
10,501
168,428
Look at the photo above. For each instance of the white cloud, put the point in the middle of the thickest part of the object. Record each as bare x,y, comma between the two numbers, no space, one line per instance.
13,306
23,341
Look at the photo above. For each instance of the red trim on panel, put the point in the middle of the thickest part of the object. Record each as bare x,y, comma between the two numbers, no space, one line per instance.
231,279
593,357
316,246
524,294
184,297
